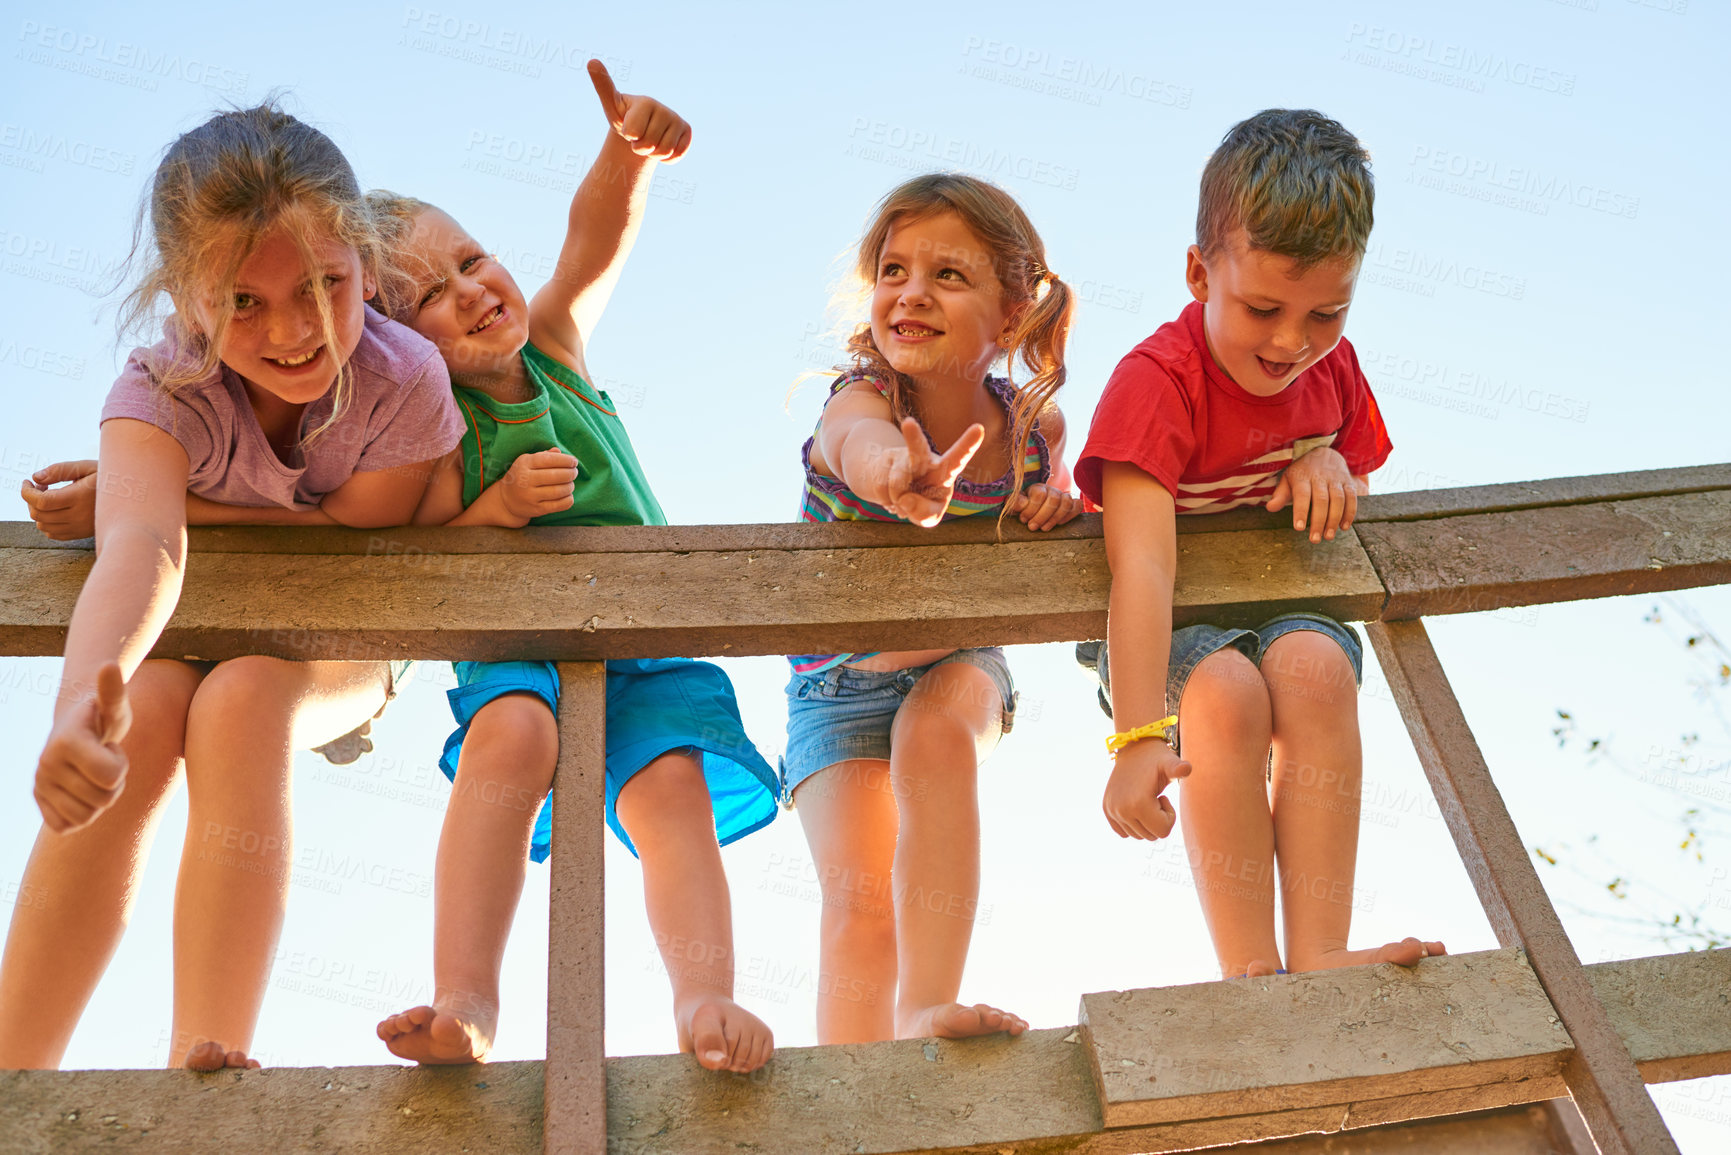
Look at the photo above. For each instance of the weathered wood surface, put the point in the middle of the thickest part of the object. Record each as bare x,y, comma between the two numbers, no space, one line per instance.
625,605
1601,1075
1323,1037
1485,561
645,591
575,1121
1413,505
1034,1094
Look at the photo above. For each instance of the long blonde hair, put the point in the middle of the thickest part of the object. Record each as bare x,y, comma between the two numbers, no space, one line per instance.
218,189
1018,256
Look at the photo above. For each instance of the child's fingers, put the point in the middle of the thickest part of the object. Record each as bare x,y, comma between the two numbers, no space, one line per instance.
1351,513
1282,494
635,126
680,145
610,102
919,451
547,459
956,457
60,811
1336,508
63,471
1318,510
1042,501
665,135
113,710
1300,502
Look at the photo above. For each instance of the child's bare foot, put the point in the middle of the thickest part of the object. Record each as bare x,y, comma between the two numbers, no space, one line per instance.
209,1056
1258,968
955,1021
1407,952
723,1035
440,1035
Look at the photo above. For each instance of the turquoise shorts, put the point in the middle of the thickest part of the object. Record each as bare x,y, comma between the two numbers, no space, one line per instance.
654,705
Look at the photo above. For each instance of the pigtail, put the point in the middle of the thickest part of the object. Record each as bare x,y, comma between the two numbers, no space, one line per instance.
1039,342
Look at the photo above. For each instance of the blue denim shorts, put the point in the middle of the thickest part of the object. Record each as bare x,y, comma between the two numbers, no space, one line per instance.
1191,644
654,705
842,713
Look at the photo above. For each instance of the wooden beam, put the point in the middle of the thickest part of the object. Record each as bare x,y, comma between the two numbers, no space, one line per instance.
575,1104
1601,1075
1319,1038
1415,505
1562,553
1032,1094
634,604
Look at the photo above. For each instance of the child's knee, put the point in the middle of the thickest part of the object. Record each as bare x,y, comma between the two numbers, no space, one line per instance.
239,686
513,738
1311,666
1227,691
671,790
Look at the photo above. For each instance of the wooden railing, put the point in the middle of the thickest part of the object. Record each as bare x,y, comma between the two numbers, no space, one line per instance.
1137,1073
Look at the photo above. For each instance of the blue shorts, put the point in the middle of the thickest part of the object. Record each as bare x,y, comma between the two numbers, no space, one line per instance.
653,705
843,713
1191,644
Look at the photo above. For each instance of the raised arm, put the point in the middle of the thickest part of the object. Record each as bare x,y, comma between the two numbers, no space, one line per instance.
606,213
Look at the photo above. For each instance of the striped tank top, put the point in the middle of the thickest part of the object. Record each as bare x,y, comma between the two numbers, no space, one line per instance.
829,498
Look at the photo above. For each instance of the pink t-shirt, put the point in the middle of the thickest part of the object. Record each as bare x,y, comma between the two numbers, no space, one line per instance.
400,411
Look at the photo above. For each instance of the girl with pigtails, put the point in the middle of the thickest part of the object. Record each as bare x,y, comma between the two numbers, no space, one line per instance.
883,749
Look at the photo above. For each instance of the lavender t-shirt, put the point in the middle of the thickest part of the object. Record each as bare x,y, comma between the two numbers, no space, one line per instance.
400,411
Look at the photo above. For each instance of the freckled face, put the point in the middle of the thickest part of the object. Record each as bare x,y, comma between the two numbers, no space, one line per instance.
937,308
275,339
1265,322
465,302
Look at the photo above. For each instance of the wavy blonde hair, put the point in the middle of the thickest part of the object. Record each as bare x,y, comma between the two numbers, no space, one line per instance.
217,191
1044,302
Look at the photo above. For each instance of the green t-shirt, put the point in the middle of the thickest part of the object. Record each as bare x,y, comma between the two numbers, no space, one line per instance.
565,413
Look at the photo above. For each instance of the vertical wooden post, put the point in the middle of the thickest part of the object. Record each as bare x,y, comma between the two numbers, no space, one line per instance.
1602,1078
574,1110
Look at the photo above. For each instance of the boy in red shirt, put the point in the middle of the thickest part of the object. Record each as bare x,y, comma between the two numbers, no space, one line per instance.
1250,397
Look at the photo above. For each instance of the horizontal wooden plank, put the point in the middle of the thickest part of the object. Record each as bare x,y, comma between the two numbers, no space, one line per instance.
1033,1094
632,605
1323,1037
1525,557
1424,504
1414,505
1673,1012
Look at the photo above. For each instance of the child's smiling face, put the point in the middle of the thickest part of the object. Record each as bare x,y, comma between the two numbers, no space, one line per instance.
1264,324
466,302
275,338
937,307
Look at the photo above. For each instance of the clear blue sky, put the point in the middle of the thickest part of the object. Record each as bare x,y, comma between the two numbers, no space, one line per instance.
1543,282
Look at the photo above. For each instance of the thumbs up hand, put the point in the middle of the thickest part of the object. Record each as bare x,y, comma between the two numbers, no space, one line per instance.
648,126
83,769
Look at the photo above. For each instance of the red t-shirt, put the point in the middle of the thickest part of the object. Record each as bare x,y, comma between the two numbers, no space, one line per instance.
1172,412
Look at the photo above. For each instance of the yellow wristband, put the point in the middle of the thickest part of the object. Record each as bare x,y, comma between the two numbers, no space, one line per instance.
1152,730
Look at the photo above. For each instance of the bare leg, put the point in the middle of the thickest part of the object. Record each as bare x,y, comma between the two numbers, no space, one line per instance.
79,888
247,718
1224,727
1318,780
665,808
950,721
503,774
850,819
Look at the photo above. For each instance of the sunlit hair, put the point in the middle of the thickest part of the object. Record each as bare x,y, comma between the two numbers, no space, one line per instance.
1295,181
400,279
1018,259
218,190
